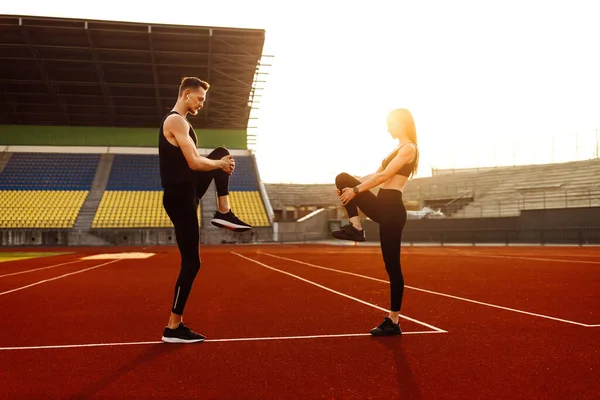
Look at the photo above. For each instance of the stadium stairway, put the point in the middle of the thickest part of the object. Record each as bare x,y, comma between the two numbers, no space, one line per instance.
248,202
209,233
88,210
4,159
208,206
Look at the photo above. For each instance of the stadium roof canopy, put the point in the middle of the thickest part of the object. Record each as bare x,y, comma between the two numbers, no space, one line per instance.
57,71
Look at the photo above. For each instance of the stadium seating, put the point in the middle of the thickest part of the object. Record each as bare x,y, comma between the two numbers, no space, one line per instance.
505,191
131,209
248,206
133,195
485,192
539,187
244,194
45,190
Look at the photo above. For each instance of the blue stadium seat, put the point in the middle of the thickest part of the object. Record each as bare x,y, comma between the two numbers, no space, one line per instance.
45,190
134,172
141,172
244,179
49,171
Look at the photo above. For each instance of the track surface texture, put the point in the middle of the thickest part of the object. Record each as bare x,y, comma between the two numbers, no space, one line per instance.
292,321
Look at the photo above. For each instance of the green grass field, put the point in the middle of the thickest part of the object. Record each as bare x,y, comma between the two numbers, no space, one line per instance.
13,256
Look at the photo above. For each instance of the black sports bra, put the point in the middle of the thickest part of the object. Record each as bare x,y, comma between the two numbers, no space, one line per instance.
406,169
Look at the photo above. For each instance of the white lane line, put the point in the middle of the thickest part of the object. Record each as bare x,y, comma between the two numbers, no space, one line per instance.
57,277
436,293
74,346
338,293
313,336
530,258
325,268
39,269
250,339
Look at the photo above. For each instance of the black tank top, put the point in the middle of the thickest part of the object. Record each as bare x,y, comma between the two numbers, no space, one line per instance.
174,168
406,169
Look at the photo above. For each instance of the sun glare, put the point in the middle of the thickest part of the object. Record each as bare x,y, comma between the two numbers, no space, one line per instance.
481,94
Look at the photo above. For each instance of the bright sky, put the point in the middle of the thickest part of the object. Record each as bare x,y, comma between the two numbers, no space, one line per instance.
488,82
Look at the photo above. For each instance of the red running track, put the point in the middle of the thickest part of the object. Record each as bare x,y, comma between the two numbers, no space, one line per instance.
518,323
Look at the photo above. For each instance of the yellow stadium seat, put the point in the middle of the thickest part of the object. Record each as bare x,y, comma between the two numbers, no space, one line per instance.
132,209
249,207
40,208
117,209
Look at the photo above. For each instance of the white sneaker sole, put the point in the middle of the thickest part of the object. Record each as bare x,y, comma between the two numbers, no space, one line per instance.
221,223
177,340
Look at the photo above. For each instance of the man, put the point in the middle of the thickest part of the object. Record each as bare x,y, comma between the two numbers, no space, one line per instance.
185,177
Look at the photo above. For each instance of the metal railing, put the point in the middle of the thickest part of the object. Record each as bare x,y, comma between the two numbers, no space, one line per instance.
530,201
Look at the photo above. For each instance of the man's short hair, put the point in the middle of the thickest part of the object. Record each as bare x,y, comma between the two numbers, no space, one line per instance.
191,82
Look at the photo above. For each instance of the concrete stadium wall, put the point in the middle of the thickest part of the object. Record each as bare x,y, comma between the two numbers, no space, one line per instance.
35,135
67,237
25,237
535,237
588,217
549,226
311,227
123,237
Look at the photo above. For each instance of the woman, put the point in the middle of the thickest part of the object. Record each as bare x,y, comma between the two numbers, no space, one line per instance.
386,208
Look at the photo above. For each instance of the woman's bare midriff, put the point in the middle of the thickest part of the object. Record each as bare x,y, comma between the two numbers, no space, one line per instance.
396,182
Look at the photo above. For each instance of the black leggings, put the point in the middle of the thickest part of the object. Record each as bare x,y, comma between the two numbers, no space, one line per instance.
388,210
181,204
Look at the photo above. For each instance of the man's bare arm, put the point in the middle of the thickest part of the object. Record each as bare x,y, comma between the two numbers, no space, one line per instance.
179,128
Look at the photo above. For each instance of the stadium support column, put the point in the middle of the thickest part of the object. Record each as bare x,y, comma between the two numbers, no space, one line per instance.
43,71
8,107
159,110
597,155
101,77
208,74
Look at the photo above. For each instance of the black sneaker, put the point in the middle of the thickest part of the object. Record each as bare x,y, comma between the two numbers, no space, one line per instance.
229,221
349,232
387,328
181,334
